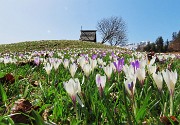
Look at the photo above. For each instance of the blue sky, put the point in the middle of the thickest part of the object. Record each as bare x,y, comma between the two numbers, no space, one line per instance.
26,20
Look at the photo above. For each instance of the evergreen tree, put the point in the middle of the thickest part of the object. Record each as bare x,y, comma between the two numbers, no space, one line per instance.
174,36
166,46
159,44
148,46
178,35
153,47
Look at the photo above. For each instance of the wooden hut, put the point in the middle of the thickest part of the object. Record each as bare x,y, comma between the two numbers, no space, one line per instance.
88,35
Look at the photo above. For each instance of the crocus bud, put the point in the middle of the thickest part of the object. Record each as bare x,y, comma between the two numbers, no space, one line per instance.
56,63
37,60
48,68
108,71
93,63
119,64
82,61
73,87
170,78
158,80
87,69
141,74
100,82
151,69
66,63
130,84
72,69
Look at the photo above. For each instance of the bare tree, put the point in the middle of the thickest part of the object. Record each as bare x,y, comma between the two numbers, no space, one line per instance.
112,30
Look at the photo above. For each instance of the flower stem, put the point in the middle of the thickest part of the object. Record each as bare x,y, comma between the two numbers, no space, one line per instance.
75,106
126,106
47,79
75,110
171,104
133,104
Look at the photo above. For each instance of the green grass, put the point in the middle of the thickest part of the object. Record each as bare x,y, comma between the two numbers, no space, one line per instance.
49,45
54,105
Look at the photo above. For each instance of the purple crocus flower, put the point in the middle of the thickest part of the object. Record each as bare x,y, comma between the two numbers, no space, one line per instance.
82,54
103,54
100,82
51,60
6,57
21,55
43,52
37,60
119,64
135,64
94,56
50,54
113,55
86,57
35,53
130,86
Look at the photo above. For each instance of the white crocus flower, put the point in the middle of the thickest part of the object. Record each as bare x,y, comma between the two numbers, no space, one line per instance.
56,63
87,69
128,70
66,63
141,74
48,68
82,61
130,84
158,80
14,61
151,69
93,63
113,66
100,82
166,57
73,87
142,63
76,80
160,57
152,61
100,62
108,71
60,54
6,60
72,60
72,69
172,56
1,59
170,78
110,57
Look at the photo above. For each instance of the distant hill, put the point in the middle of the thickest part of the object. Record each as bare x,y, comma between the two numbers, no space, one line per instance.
175,45
49,45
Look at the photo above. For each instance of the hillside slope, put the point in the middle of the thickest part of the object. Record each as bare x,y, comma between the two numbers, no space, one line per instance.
49,45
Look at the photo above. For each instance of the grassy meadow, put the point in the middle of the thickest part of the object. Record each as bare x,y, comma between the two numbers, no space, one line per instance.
79,83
